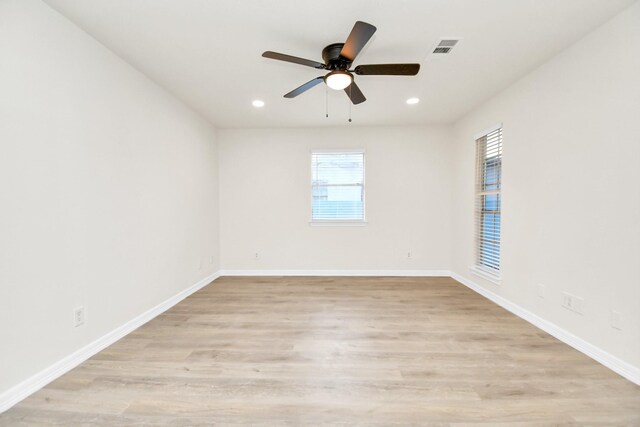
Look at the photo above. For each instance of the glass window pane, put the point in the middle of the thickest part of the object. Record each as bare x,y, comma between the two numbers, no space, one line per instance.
337,186
489,163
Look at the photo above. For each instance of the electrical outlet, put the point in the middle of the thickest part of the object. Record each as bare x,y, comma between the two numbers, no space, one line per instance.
409,255
567,301
540,288
616,320
78,316
256,256
572,302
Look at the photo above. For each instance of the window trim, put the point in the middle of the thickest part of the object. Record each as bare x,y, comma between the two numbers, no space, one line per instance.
486,274
490,274
487,131
339,222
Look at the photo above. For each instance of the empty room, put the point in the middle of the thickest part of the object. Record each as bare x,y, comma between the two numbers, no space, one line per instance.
290,213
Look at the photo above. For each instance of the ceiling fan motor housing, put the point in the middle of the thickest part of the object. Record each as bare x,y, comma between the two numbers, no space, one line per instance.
332,58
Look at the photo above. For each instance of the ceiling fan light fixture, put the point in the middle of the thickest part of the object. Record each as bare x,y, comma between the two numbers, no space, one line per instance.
338,79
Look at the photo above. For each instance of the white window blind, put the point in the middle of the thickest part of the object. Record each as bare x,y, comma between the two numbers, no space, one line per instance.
488,201
337,186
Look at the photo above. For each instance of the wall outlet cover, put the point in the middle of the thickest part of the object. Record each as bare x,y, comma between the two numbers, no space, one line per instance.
79,316
616,320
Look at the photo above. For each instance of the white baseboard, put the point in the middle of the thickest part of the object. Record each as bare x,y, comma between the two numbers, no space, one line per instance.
44,377
630,372
398,273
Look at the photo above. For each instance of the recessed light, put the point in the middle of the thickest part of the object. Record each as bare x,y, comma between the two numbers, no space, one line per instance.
257,103
412,101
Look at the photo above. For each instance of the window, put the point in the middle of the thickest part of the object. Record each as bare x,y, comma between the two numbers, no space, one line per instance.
337,186
488,201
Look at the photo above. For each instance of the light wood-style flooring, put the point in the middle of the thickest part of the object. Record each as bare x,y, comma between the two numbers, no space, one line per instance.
335,351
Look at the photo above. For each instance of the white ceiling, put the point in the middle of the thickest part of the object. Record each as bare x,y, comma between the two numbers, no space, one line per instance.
208,52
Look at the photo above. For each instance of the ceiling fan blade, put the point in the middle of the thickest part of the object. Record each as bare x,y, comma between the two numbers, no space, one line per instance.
294,59
387,70
305,87
354,93
360,35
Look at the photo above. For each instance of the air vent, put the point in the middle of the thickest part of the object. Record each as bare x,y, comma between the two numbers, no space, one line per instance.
442,50
448,43
445,46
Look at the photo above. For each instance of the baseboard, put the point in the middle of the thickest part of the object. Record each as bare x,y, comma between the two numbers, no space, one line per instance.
630,372
44,377
408,273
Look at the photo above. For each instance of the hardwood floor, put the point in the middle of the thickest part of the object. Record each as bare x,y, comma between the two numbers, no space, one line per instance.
335,351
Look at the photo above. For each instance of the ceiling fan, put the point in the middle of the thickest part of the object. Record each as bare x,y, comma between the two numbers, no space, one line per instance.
338,58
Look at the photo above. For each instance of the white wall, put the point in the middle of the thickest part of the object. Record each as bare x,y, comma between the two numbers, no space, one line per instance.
265,200
108,191
571,174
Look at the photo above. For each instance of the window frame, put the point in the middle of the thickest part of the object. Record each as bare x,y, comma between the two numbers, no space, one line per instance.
489,273
338,221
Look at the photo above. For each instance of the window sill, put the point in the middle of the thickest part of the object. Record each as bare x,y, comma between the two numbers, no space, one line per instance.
486,275
337,223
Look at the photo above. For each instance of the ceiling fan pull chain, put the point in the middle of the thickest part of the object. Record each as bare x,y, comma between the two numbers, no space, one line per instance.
326,101
350,86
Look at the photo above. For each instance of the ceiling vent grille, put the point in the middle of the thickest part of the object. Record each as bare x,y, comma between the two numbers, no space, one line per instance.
442,50
445,46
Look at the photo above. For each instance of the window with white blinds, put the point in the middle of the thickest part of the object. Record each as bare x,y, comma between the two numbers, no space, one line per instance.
488,201
337,186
